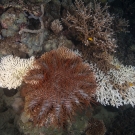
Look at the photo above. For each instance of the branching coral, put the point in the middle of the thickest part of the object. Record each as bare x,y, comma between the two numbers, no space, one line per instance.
12,70
92,25
59,84
117,86
95,27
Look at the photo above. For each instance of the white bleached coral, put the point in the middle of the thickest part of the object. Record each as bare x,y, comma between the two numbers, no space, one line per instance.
117,87
12,70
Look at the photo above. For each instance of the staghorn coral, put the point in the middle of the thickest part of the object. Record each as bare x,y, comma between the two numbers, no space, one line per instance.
92,25
12,70
59,84
95,27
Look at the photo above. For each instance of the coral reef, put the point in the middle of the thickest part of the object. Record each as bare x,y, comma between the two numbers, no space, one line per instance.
59,84
56,85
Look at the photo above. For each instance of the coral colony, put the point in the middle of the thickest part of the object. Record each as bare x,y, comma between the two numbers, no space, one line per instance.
12,70
60,82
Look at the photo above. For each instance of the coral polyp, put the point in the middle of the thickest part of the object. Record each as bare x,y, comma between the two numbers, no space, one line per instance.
59,84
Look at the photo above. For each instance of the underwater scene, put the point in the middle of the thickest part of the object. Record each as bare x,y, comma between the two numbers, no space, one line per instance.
67,67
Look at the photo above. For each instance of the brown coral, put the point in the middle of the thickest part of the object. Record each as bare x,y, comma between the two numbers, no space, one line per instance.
92,25
59,84
97,29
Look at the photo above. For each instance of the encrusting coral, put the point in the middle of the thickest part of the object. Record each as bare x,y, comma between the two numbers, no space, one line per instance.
12,70
58,85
